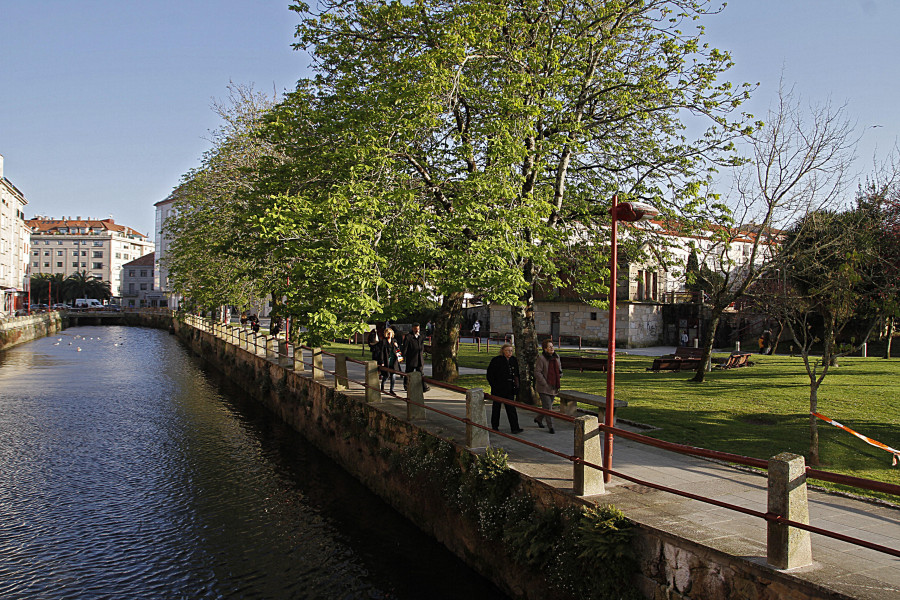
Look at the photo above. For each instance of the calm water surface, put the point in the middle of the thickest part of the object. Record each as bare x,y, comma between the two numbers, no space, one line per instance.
128,471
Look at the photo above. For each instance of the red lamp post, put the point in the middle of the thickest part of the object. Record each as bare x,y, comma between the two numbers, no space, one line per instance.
629,212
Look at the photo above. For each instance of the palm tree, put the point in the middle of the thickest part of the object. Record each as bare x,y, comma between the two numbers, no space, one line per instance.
80,285
49,286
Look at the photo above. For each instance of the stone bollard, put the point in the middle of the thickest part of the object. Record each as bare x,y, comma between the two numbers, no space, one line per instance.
863,350
341,381
318,371
788,547
272,348
284,355
242,339
259,344
737,346
299,366
588,447
476,437
415,394
373,393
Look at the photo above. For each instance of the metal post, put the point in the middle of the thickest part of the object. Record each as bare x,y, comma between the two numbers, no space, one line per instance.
611,346
341,381
415,393
476,437
588,480
788,547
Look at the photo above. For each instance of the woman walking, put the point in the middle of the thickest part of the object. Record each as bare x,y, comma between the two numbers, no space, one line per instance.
503,376
547,374
387,354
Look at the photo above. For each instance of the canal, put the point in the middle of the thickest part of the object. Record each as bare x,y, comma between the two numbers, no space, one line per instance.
127,470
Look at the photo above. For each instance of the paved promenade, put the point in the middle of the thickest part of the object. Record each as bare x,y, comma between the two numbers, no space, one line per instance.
839,566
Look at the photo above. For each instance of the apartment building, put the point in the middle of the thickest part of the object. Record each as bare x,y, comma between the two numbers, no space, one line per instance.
139,288
164,209
14,246
98,247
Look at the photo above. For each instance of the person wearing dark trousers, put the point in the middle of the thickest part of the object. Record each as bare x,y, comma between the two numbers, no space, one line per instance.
387,354
547,375
503,377
414,354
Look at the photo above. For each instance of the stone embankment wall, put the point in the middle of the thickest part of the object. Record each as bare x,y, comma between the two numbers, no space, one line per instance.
368,442
19,330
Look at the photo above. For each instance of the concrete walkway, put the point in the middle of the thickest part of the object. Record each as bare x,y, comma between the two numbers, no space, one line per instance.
839,566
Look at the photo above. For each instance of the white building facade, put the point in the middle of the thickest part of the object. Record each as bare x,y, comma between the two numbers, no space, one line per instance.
98,247
14,246
164,209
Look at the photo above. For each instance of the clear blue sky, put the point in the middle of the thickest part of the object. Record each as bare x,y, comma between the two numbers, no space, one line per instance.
104,104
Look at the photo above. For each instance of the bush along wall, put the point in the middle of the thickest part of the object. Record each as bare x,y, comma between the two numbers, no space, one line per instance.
582,552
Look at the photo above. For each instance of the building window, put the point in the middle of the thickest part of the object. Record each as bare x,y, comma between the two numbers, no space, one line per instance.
46,264
131,272
46,253
98,254
59,242
59,264
131,287
37,252
97,265
151,286
74,252
84,252
59,252
46,242
593,316
84,265
143,273
118,255
75,264
34,264
98,244
143,286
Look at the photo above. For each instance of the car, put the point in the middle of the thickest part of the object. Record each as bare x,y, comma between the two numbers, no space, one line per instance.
60,306
113,307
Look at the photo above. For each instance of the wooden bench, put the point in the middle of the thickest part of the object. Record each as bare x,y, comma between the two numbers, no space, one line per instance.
582,363
569,399
674,364
736,360
686,352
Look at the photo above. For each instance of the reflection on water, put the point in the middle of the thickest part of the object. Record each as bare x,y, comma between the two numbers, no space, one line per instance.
127,471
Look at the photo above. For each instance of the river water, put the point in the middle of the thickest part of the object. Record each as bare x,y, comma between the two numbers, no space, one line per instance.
129,471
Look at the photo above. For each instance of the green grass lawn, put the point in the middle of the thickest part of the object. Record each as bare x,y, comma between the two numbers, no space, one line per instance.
756,411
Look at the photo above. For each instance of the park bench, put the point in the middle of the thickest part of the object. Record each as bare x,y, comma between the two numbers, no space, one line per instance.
569,399
674,363
736,360
582,363
685,352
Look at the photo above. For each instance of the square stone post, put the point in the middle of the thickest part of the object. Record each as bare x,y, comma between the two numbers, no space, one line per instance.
284,355
341,381
373,392
476,437
588,446
299,367
271,347
414,393
318,371
788,547
259,344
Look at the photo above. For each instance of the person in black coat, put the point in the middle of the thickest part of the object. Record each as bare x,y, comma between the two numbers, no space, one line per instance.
503,377
414,353
387,354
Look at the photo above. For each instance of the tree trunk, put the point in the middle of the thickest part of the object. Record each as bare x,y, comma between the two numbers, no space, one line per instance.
813,422
709,337
526,339
890,335
446,334
777,339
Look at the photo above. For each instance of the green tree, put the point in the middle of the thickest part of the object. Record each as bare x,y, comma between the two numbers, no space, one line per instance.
831,274
82,285
509,126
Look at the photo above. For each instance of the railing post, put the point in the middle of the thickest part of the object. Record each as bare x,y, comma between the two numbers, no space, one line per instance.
414,393
271,347
476,437
373,393
588,447
299,367
318,371
788,547
284,354
341,381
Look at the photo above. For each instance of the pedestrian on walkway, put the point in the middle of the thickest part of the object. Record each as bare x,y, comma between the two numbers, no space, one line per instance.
476,331
503,377
373,339
414,354
547,375
387,354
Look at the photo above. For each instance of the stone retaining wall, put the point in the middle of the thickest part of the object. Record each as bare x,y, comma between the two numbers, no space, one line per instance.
365,441
19,330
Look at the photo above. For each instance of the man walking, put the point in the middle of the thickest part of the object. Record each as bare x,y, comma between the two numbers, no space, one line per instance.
414,354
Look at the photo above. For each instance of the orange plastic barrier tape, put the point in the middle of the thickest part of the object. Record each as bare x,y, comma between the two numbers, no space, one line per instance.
868,440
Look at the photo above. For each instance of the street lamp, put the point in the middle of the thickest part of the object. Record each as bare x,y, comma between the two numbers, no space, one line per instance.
630,212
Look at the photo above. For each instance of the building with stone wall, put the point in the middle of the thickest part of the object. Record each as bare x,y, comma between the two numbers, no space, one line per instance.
15,241
97,247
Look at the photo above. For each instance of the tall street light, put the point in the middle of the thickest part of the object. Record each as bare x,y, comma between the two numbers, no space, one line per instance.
629,212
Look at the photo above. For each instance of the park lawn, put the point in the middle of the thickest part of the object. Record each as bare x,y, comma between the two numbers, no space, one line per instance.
757,411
